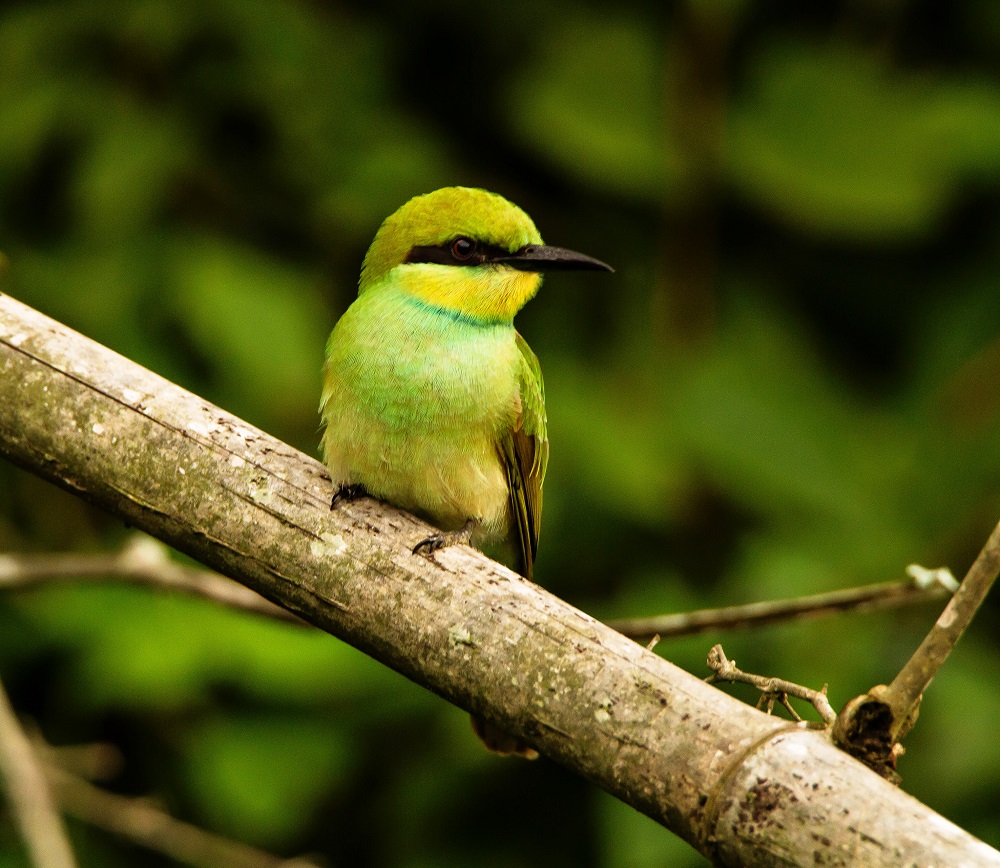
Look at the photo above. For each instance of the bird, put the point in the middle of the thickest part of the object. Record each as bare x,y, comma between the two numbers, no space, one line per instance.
432,401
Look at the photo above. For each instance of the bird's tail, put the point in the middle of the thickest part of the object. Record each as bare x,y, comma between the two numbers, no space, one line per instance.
501,742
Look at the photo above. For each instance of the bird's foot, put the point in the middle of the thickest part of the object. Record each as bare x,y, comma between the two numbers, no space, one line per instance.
347,493
447,538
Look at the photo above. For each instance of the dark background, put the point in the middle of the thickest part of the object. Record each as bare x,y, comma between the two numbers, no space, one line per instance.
788,386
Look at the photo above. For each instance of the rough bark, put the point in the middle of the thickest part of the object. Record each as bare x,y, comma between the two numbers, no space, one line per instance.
742,787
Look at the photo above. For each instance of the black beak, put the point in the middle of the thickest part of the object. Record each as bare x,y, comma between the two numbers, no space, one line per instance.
540,257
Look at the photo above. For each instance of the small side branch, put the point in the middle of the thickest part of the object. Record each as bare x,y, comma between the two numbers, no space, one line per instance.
142,561
140,821
913,679
29,796
772,689
870,726
923,586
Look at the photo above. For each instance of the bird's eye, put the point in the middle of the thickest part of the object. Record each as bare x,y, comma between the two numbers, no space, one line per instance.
463,248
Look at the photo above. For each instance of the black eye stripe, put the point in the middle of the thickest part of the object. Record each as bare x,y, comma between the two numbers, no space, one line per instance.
443,254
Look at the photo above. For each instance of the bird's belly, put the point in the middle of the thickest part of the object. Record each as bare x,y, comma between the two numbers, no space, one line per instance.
422,434
445,480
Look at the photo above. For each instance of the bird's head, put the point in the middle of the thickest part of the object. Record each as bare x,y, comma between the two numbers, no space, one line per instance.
468,251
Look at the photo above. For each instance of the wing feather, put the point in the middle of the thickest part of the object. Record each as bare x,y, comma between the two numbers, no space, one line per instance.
524,451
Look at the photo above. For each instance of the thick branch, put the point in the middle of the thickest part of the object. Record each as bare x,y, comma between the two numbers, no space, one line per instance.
742,787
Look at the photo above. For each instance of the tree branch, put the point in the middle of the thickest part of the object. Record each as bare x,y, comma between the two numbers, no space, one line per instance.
71,770
740,786
771,689
142,822
142,561
924,585
29,796
913,679
871,726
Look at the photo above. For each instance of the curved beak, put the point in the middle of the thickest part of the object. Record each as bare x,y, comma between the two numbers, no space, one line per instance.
541,257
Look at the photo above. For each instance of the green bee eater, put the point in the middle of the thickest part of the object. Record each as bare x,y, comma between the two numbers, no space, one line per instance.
431,399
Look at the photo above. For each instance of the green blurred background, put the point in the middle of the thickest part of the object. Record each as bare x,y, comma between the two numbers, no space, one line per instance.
789,385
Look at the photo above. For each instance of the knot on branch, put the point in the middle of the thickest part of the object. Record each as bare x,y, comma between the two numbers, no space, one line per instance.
867,728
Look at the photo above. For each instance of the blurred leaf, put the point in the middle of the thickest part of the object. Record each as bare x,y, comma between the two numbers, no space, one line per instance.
402,163
260,320
133,648
650,592
259,778
634,467
127,171
336,137
592,104
13,853
831,140
632,840
769,425
81,283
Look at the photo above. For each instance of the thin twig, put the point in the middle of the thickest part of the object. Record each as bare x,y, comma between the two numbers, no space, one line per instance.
903,695
72,768
93,761
141,821
29,796
925,585
772,689
141,561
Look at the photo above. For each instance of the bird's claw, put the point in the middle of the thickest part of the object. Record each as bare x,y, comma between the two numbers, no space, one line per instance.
447,538
347,493
431,544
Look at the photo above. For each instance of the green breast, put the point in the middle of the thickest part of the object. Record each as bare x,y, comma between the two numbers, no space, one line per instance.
415,399
415,366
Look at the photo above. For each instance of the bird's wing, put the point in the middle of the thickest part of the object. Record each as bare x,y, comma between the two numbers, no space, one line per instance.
525,454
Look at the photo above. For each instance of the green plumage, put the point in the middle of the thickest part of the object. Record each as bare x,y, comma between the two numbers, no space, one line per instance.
431,400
